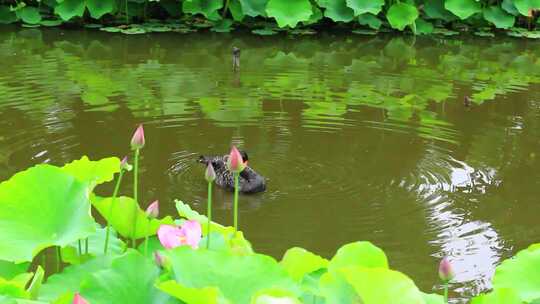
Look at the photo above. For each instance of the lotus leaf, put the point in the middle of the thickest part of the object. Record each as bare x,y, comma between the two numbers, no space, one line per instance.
509,7
68,9
370,20
206,7
254,8
498,17
130,279
93,172
6,15
382,286
42,207
401,14
434,9
358,254
498,296
363,6
9,270
96,244
298,262
69,280
335,289
520,274
29,15
337,10
463,8
289,13
236,10
275,296
423,27
264,32
207,295
98,8
523,6
121,218
252,273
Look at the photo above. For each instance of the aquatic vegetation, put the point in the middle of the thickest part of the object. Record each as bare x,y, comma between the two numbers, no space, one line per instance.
145,16
210,176
235,163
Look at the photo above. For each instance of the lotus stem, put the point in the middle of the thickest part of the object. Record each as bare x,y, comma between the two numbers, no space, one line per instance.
236,182
225,9
135,195
209,215
58,259
80,248
446,292
86,246
146,237
115,193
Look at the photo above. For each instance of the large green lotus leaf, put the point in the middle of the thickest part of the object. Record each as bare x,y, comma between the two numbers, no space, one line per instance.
98,8
434,9
236,10
382,286
42,207
275,296
498,296
335,289
29,14
423,27
96,244
315,17
370,20
238,277
8,270
289,13
523,6
337,10
185,211
521,274
130,279
254,8
122,215
509,7
401,14
206,7
365,6
68,9
498,17
207,295
15,287
358,254
298,262
534,247
432,298
69,280
463,8
93,172
6,15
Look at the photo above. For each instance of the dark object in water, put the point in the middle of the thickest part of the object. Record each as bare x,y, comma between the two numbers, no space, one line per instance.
250,181
467,101
236,58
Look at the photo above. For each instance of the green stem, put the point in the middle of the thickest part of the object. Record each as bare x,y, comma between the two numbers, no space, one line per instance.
445,293
86,246
58,260
135,194
146,237
236,182
225,9
80,247
115,193
209,215
44,259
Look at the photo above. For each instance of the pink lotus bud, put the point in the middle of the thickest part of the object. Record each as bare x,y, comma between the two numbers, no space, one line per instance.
137,141
235,161
153,210
210,174
124,165
78,299
445,270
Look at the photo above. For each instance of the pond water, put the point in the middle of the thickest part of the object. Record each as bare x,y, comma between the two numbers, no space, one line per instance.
360,138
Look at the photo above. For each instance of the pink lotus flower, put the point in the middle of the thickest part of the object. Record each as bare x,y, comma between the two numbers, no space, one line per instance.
235,161
137,141
210,174
445,270
172,236
153,210
78,299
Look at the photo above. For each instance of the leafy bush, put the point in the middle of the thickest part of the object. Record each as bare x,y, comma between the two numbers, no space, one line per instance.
420,16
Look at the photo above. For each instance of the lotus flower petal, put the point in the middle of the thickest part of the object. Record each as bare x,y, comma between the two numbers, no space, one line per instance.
137,141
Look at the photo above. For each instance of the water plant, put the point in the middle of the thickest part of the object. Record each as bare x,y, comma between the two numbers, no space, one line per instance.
235,165
210,176
124,166
446,274
152,212
137,143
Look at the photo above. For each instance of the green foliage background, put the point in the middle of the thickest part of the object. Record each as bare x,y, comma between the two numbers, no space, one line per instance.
266,16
